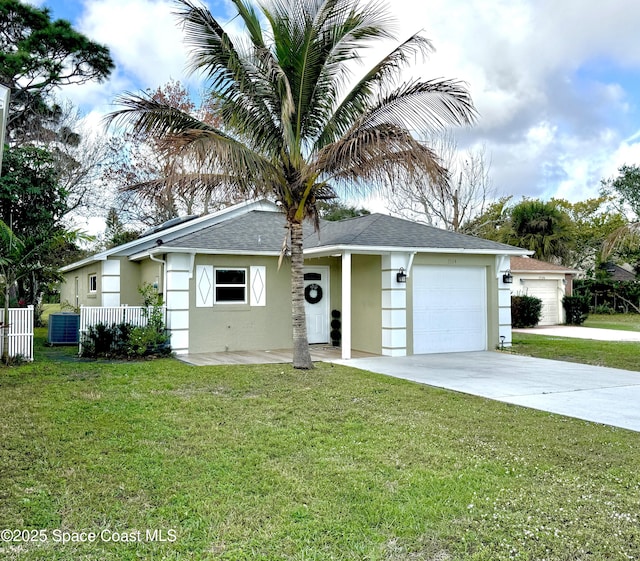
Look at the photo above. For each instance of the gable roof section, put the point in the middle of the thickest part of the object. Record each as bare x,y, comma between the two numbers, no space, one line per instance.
531,265
259,228
255,232
383,231
259,232
148,242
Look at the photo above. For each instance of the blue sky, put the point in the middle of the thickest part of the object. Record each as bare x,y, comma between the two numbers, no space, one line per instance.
557,83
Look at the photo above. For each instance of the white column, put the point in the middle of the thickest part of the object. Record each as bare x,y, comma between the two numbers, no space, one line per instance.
346,305
503,264
394,306
177,300
110,283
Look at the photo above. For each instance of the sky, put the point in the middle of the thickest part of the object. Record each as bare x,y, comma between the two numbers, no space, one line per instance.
556,82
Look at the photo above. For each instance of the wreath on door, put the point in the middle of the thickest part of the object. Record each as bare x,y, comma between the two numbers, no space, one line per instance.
313,293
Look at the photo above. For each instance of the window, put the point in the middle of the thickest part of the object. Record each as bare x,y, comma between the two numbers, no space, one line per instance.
93,283
230,286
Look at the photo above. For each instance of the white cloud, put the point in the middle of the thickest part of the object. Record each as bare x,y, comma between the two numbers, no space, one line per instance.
142,35
550,130
552,124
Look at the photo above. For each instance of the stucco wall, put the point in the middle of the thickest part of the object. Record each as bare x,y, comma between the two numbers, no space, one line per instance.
366,303
241,326
452,260
130,282
68,291
152,272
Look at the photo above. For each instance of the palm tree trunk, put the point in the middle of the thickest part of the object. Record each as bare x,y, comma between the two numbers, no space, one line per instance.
301,355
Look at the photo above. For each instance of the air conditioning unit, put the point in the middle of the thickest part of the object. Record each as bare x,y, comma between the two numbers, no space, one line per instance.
64,329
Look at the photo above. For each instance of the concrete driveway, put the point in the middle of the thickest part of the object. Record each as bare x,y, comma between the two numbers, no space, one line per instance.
593,393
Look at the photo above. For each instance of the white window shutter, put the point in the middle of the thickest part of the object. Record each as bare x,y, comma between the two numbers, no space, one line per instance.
204,286
258,285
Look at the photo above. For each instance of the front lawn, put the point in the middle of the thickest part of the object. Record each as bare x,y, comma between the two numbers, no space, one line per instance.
269,463
614,354
625,322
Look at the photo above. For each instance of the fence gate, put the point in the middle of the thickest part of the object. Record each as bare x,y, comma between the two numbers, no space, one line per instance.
20,332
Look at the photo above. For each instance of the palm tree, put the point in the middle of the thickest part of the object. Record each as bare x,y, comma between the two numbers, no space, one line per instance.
541,227
294,125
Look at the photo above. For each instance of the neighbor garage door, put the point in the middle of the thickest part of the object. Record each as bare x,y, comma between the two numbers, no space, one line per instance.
449,309
547,291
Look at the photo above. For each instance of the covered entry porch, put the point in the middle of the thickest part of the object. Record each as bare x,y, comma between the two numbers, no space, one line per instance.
319,353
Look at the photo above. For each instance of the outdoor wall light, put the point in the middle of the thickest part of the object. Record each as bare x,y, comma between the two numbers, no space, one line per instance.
507,278
401,276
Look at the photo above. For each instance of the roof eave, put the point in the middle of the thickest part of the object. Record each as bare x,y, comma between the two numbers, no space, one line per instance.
546,271
194,250
83,262
322,251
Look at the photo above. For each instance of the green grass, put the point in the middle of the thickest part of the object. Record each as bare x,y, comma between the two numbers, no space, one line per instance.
600,353
625,322
269,463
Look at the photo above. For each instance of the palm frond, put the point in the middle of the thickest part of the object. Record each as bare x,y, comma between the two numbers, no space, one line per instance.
195,184
238,75
626,236
214,150
313,39
334,122
424,106
148,117
379,156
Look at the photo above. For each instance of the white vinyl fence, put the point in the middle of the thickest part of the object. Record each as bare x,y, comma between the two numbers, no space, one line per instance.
93,315
20,332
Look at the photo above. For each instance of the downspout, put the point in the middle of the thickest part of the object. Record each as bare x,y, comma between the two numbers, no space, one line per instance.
163,265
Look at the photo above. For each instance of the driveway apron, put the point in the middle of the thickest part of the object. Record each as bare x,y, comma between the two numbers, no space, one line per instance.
602,395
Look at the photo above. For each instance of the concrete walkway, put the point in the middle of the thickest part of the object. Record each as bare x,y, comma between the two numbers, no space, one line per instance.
593,393
579,332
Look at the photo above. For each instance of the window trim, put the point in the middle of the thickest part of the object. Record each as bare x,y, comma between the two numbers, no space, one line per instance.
93,276
217,285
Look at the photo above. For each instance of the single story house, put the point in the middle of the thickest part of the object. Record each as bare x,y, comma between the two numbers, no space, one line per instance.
546,281
375,283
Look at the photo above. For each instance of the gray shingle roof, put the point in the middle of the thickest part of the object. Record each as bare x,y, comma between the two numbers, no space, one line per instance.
253,231
380,230
265,231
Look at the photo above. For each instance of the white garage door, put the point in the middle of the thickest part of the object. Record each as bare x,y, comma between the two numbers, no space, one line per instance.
547,291
449,309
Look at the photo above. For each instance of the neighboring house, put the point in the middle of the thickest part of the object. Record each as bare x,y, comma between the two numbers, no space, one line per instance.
618,273
224,289
546,281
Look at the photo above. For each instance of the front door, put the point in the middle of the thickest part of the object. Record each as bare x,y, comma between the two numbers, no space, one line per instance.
316,303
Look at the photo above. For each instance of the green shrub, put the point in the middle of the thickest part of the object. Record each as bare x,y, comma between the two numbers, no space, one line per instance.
576,308
125,340
106,341
525,311
145,341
